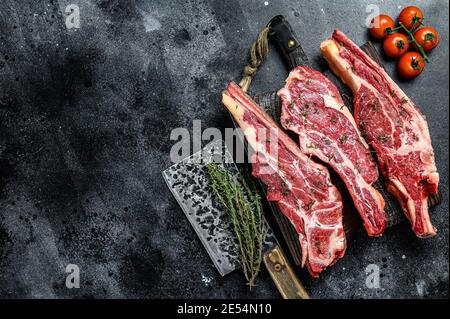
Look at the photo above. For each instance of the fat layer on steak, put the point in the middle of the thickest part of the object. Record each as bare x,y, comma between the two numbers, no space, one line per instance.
313,108
301,187
393,125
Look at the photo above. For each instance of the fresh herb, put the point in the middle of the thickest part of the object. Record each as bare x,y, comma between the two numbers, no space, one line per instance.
291,105
307,105
333,120
342,107
404,100
316,110
243,204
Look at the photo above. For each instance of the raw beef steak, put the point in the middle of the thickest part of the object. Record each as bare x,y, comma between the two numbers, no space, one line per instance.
301,187
313,108
393,125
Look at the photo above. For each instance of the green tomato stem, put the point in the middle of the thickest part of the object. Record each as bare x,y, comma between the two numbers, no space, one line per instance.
413,40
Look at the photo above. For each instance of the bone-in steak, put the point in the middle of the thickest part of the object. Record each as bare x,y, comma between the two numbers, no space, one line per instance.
301,187
393,125
313,108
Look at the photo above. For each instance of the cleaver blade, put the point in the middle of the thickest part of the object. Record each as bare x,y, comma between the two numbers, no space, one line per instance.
189,183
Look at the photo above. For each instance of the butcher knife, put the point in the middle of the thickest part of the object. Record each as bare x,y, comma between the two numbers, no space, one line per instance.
189,183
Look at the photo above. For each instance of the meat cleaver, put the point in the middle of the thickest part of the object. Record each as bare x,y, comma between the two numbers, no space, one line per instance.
189,183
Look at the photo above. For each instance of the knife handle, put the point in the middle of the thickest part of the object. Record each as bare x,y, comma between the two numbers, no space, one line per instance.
283,275
287,42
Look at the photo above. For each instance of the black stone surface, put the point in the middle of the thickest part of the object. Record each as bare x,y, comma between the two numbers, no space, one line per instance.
85,122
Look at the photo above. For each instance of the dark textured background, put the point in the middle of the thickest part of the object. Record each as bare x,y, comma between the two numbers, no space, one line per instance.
85,118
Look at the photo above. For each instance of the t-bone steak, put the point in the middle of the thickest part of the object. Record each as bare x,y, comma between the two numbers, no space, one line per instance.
393,125
312,107
302,188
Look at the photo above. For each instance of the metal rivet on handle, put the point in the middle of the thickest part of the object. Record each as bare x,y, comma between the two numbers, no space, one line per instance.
277,267
291,44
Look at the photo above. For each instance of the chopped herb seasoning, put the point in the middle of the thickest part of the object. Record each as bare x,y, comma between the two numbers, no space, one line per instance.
309,205
316,110
343,139
333,120
383,138
291,105
305,113
404,100
284,189
318,183
330,157
416,137
393,93
307,105
342,107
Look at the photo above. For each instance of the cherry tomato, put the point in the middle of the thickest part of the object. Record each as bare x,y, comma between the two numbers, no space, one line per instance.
381,26
411,17
396,45
427,37
411,65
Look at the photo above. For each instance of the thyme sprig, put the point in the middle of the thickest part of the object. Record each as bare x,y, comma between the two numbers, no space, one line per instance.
243,204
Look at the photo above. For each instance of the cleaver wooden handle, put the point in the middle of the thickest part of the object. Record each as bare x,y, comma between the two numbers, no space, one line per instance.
283,275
